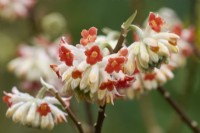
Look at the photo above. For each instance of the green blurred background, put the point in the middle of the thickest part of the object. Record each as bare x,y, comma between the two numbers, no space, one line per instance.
150,114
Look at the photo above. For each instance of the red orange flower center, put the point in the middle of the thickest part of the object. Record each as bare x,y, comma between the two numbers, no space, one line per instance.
125,83
109,85
6,99
93,55
150,76
155,22
66,56
76,74
43,109
115,64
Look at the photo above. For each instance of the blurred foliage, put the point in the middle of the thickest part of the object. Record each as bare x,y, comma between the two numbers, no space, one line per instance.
124,116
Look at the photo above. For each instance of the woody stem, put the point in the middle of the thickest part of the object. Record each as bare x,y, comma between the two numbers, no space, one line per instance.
100,119
68,110
124,30
120,40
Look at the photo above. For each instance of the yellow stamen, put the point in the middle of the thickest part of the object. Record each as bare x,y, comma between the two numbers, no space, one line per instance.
154,24
114,63
68,55
94,54
43,107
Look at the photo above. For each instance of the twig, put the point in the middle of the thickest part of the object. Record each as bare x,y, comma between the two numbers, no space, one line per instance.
120,41
100,119
191,124
68,110
124,30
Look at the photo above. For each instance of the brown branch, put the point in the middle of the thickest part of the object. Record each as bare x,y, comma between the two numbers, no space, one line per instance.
190,123
100,119
120,41
124,30
68,110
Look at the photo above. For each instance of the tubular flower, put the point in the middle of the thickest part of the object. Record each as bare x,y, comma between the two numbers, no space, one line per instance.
32,111
153,47
157,77
13,9
92,70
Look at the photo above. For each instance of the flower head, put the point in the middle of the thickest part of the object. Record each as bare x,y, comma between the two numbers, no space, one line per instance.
43,109
153,47
33,111
94,75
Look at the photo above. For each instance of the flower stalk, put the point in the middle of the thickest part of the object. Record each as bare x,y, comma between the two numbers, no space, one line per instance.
68,110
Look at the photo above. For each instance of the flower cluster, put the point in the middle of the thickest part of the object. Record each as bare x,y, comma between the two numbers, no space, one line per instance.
159,76
153,46
92,74
33,62
98,76
33,111
99,69
187,35
15,8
